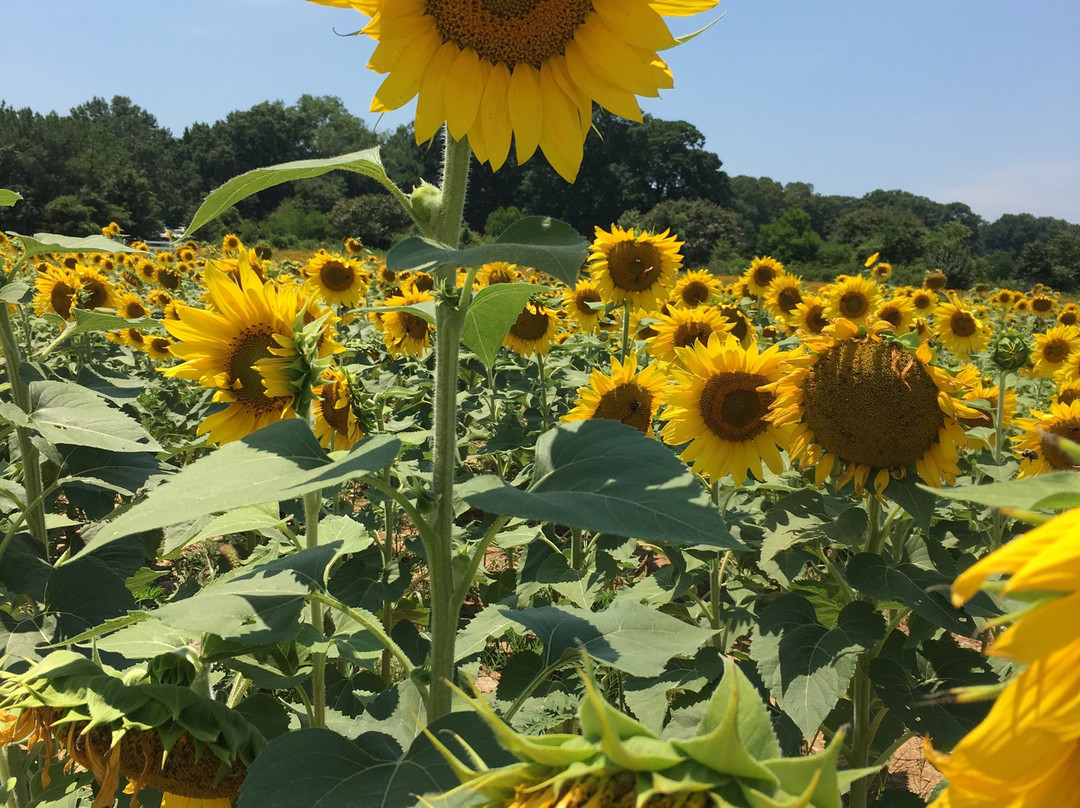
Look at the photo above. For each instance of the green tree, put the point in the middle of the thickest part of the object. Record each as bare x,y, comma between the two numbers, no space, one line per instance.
700,224
791,238
894,232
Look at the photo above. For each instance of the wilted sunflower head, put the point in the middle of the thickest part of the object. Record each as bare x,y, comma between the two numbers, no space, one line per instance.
867,405
732,759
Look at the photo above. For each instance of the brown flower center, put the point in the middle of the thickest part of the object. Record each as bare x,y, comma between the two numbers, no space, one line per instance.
891,315
251,345
336,417
1055,351
509,32
531,324
1067,317
582,299
815,319
1068,429
336,276
62,298
168,278
1042,305
416,327
854,304
788,298
690,332
695,293
740,326
872,403
733,408
629,403
962,324
634,265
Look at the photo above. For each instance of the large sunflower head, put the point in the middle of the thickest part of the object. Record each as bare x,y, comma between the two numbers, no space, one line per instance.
524,70
338,280
404,332
851,297
636,269
1037,445
227,345
718,405
625,395
864,404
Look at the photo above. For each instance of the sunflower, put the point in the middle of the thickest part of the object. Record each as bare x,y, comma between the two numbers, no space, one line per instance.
854,399
924,301
158,348
1067,392
784,296
97,291
533,330
935,281
582,304
851,297
718,405
1069,314
696,288
1026,752
1052,349
338,280
146,270
763,270
528,71
226,347
977,390
334,411
634,269
405,333
898,312
497,272
169,278
809,315
57,292
681,328
1037,445
231,244
1021,304
130,306
741,326
881,271
959,330
626,395
1044,305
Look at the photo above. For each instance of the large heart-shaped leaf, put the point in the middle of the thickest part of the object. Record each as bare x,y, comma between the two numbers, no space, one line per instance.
607,477
491,314
279,462
1055,491
540,242
41,243
806,666
366,162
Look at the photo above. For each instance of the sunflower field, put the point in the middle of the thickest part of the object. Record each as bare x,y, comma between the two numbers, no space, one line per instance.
547,522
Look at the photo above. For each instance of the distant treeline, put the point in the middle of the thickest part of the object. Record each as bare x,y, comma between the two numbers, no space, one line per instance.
111,161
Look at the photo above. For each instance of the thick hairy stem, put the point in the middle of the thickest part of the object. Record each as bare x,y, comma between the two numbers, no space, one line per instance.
35,516
312,502
861,735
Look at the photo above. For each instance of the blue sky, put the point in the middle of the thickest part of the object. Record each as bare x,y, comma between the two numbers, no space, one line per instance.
976,101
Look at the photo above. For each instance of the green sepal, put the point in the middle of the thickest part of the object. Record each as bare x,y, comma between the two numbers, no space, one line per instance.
813,775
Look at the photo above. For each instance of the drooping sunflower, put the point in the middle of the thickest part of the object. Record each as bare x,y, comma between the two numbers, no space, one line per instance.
1052,349
334,411
340,281
851,297
866,405
403,332
57,292
717,405
583,305
1036,446
761,273
681,328
958,329
634,269
626,395
533,331
230,349
527,71
696,288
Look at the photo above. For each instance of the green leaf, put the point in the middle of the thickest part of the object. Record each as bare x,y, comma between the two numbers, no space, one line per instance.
282,461
629,636
540,242
491,314
8,198
806,666
917,500
146,639
14,292
1055,491
924,591
84,593
607,477
96,321
257,605
41,243
366,162
264,516
67,413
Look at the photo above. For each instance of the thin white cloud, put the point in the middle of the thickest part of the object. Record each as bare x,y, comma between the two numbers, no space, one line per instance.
1042,189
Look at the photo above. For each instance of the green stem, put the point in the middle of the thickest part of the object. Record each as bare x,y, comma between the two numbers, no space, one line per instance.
386,550
456,160
312,502
17,796
462,589
403,502
35,516
545,412
999,419
577,549
875,535
370,624
861,738
624,346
